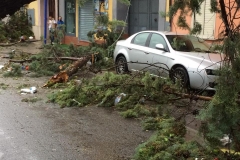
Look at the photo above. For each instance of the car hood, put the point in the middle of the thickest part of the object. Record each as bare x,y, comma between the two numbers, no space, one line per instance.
205,59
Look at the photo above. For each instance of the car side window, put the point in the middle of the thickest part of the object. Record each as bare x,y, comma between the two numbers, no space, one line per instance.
140,39
157,39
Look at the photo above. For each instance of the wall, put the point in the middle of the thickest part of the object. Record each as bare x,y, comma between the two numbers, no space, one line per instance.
36,28
162,25
218,23
61,9
174,26
120,12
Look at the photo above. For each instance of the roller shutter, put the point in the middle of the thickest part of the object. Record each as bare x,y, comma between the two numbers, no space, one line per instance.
207,20
86,19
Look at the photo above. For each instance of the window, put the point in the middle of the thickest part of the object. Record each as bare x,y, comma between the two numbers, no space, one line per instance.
140,39
70,17
207,20
157,39
186,43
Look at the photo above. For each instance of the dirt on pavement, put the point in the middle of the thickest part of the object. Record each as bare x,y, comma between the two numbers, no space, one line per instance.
104,134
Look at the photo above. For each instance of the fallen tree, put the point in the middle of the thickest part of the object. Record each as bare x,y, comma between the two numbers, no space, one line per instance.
63,76
48,58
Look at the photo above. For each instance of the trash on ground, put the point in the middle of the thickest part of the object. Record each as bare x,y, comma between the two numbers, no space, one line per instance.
29,90
225,140
118,98
1,66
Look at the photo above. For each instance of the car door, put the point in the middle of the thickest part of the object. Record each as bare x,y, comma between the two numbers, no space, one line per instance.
158,57
138,52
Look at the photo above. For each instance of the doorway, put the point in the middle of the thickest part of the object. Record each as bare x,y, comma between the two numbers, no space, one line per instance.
143,15
52,8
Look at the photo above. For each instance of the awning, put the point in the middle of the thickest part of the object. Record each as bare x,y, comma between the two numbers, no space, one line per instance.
11,6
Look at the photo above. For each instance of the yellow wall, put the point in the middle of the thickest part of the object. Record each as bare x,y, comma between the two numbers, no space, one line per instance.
110,9
34,5
167,9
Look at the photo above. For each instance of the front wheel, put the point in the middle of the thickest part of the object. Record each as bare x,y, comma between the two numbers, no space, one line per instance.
121,65
180,74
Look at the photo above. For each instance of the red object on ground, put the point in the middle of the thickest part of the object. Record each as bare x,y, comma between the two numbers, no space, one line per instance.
27,67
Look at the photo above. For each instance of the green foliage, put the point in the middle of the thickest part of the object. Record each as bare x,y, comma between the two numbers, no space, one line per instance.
108,31
221,115
103,90
81,2
15,71
138,111
169,143
68,97
31,100
60,33
152,123
126,2
16,26
3,86
214,6
129,114
42,66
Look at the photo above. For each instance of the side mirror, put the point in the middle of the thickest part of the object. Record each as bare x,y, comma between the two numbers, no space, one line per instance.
161,47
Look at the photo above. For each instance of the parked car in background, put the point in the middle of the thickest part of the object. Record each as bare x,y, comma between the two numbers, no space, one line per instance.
184,57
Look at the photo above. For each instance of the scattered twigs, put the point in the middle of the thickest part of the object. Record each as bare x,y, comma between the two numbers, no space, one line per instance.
20,61
7,44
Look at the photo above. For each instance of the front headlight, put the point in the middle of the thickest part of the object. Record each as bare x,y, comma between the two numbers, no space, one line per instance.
211,72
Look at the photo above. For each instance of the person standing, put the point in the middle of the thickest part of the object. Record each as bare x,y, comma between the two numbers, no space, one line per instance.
51,27
60,29
60,22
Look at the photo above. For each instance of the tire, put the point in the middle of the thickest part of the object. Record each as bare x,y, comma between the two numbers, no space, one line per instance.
181,74
121,65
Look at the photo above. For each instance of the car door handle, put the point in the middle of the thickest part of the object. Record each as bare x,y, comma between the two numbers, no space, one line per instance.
129,48
146,52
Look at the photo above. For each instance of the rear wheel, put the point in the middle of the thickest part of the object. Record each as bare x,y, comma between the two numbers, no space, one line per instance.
179,74
121,65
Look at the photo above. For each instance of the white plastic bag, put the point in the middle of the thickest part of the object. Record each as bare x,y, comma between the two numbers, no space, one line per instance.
29,90
118,98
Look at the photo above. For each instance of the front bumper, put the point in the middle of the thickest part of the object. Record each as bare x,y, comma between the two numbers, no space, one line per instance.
200,80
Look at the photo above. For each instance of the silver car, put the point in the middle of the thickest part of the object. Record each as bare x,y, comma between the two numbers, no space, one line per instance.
185,57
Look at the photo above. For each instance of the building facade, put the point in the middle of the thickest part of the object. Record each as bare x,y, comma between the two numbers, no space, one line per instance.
36,14
140,15
212,24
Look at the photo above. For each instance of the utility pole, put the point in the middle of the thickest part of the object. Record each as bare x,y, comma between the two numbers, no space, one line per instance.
45,21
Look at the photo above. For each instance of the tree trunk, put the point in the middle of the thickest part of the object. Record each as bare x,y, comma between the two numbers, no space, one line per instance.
63,76
49,58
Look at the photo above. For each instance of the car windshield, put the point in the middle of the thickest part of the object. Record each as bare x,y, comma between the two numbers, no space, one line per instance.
187,43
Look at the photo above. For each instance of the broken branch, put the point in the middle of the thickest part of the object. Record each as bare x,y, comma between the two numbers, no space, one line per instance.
63,76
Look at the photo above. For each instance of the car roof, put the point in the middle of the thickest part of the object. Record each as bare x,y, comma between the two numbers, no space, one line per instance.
164,32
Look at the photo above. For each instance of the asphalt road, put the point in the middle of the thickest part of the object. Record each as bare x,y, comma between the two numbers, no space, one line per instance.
41,131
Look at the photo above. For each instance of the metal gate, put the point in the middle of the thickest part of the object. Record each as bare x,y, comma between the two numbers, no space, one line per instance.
143,15
86,19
